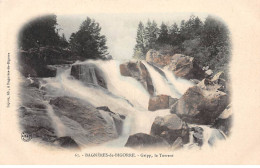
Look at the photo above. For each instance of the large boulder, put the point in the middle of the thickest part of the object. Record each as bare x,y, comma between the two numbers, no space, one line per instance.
170,127
138,71
220,80
33,114
89,73
96,126
201,104
160,102
185,67
177,144
118,119
142,140
157,58
224,121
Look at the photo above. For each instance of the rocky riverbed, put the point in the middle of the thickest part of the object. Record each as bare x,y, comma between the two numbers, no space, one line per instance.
163,101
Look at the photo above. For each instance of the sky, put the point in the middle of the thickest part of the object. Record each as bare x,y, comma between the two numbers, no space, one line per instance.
120,29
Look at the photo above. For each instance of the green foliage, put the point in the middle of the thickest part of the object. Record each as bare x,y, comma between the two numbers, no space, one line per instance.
139,49
151,35
138,54
87,42
207,42
145,39
39,32
164,37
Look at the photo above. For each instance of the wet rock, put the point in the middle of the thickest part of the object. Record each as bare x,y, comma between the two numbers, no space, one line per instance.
177,144
118,118
185,67
35,83
33,114
160,102
224,121
158,58
157,69
47,135
138,71
198,138
197,135
195,81
37,123
66,142
219,79
88,74
200,106
105,108
170,127
141,140
172,101
98,126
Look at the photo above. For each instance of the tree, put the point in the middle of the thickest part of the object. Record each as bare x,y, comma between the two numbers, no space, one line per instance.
174,34
198,26
87,42
39,32
207,42
63,41
151,35
139,50
215,38
163,34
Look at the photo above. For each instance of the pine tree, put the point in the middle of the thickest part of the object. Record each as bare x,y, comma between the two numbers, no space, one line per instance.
154,34
163,34
39,32
151,35
198,26
147,34
139,50
174,34
87,42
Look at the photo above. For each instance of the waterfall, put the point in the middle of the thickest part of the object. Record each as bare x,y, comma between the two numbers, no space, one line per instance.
124,95
93,76
181,85
162,84
57,124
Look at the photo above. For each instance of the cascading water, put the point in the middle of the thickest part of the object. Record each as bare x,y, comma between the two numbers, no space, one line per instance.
124,95
56,121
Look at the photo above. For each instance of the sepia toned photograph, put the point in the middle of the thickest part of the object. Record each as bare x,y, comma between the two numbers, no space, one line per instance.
125,81
129,82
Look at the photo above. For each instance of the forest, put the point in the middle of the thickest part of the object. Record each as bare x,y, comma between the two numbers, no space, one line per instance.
208,42
87,42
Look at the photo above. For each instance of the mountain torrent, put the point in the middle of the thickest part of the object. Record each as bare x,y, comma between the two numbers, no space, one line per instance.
132,104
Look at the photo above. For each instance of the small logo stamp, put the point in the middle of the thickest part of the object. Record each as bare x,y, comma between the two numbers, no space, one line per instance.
26,137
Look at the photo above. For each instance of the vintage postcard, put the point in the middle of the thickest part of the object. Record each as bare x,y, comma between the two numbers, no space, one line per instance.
130,82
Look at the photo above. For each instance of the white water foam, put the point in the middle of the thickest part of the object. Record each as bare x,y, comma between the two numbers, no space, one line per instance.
121,90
